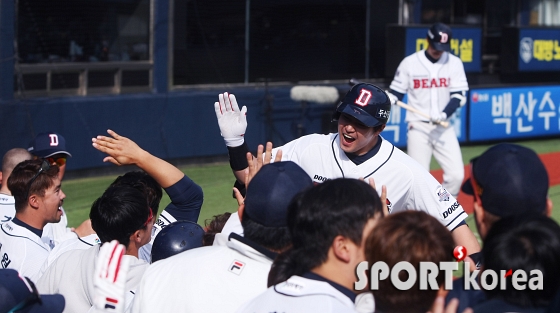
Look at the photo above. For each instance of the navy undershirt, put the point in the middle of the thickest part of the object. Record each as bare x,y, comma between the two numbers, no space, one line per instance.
429,57
347,292
359,159
34,230
186,200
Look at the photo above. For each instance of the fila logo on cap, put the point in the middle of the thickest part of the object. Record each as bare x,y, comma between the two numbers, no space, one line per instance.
54,139
236,267
363,98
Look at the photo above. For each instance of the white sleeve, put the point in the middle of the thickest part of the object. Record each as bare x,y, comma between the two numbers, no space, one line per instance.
400,81
428,195
164,219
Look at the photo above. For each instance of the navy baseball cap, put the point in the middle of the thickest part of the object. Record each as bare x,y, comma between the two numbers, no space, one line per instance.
175,238
19,292
511,180
48,144
367,103
271,190
439,36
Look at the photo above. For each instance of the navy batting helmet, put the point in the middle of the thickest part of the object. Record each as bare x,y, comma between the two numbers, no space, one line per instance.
369,104
439,36
176,237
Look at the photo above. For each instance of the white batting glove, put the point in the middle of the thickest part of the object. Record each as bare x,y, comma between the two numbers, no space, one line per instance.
110,278
232,121
392,97
436,119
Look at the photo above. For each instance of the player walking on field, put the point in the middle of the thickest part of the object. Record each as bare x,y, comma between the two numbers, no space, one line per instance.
435,82
356,150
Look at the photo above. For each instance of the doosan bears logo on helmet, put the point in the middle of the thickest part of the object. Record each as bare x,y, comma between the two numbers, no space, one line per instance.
363,98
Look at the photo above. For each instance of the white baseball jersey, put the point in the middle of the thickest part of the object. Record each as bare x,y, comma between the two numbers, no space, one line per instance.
299,294
233,225
409,186
72,276
428,84
164,219
207,279
69,245
22,250
53,233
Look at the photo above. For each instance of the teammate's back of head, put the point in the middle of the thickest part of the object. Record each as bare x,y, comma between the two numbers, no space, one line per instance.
143,182
266,203
339,207
119,213
507,180
12,158
524,242
411,236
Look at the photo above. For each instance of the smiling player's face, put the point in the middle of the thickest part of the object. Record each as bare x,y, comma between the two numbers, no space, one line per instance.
355,137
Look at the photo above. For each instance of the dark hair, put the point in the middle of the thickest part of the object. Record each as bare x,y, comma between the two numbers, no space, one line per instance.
272,238
526,242
18,182
316,216
412,236
145,183
118,213
214,226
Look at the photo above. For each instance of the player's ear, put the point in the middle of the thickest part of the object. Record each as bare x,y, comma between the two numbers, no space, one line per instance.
0,177
33,201
549,206
377,130
341,249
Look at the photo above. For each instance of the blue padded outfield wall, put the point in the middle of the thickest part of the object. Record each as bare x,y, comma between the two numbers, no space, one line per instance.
170,125
183,124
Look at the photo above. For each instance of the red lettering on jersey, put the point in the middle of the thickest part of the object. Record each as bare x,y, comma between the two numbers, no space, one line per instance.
416,83
442,82
425,83
363,98
433,83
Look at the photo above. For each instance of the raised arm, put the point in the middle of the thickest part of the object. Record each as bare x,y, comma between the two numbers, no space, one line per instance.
233,124
123,151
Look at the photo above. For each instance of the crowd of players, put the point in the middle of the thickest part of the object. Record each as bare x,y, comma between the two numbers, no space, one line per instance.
302,241
309,213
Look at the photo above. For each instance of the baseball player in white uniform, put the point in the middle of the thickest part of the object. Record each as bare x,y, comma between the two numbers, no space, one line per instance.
38,198
435,82
356,151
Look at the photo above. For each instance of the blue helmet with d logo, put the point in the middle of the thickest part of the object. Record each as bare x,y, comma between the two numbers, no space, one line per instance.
367,103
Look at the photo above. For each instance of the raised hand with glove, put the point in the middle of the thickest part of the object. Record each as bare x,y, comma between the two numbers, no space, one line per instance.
232,121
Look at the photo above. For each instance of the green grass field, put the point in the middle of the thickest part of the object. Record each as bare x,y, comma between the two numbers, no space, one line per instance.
217,180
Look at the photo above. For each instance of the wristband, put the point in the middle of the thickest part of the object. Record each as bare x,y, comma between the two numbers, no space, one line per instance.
477,259
238,157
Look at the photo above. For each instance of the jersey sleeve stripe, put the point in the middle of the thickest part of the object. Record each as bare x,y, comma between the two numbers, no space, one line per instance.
451,225
1,226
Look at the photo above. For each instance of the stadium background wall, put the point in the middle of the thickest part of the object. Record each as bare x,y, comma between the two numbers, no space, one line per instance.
176,123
